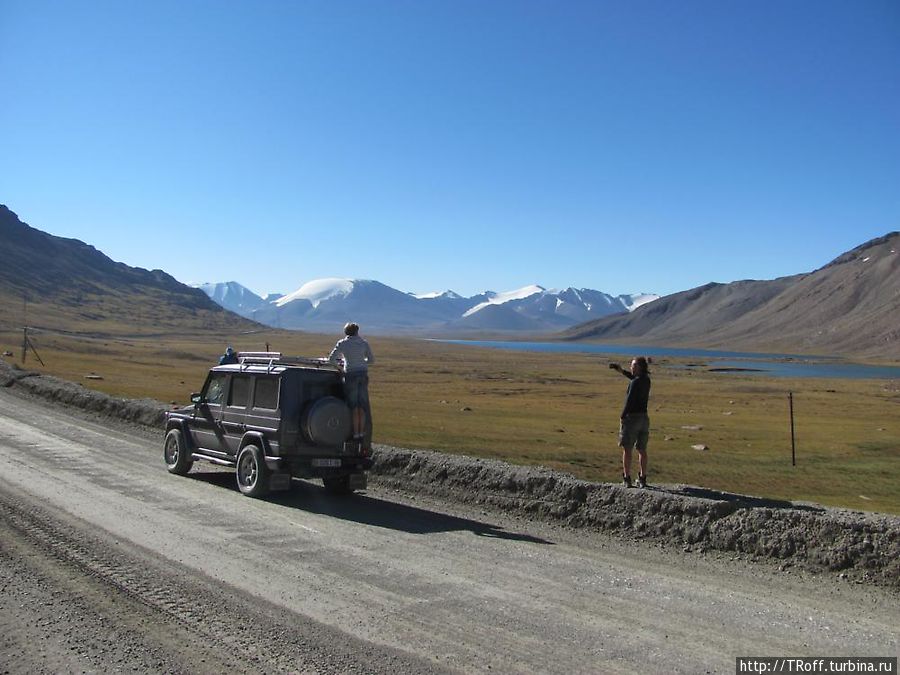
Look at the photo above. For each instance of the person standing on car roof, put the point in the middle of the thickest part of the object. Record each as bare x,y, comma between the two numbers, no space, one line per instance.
355,356
634,424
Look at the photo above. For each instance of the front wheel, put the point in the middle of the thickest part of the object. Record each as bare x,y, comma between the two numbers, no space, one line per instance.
178,459
252,472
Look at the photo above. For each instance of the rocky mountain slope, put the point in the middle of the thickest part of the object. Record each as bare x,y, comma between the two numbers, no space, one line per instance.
849,306
70,285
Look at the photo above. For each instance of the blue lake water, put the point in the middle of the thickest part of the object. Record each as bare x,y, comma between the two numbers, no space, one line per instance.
778,365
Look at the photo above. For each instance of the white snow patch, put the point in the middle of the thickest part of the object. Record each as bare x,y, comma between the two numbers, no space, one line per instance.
501,298
318,290
639,299
866,259
436,294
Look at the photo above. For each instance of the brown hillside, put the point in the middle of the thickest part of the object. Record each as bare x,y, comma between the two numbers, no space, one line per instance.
71,286
684,317
850,306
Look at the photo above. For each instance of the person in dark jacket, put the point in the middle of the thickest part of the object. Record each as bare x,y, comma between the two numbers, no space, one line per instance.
634,424
228,357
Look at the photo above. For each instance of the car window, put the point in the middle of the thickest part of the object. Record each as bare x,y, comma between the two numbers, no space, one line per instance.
215,389
266,393
240,391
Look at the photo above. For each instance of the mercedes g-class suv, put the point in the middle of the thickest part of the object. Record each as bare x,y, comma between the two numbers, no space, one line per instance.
272,418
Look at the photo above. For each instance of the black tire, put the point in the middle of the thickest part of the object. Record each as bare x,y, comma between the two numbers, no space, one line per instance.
251,472
175,452
337,485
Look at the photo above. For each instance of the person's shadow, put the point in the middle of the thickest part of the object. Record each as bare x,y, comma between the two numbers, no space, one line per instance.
360,508
738,500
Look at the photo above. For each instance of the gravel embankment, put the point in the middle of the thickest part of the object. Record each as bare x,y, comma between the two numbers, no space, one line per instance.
863,546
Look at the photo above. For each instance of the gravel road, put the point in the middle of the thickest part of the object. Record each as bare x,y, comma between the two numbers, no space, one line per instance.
108,563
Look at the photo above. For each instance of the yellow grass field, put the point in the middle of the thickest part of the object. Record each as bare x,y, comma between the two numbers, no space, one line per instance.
559,410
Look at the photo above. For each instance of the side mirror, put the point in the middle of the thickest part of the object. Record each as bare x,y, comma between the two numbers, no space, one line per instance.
196,398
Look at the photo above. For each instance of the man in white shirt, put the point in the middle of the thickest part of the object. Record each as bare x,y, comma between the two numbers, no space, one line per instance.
354,355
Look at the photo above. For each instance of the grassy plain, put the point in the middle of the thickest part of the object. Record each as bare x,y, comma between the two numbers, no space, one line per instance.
559,410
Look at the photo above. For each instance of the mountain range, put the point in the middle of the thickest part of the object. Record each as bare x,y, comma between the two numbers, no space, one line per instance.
325,303
850,306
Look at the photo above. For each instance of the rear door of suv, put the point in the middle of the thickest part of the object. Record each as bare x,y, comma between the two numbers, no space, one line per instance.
264,414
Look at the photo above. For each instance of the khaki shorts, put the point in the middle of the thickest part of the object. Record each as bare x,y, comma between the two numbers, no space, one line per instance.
356,390
634,431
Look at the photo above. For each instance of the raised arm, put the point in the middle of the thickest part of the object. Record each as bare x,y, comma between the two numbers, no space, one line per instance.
616,366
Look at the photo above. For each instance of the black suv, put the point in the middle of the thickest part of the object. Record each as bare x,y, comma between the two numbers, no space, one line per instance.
271,418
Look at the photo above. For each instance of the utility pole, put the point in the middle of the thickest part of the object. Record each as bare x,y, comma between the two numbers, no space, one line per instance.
793,446
26,343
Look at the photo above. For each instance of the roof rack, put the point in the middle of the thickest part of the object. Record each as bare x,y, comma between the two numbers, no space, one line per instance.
272,359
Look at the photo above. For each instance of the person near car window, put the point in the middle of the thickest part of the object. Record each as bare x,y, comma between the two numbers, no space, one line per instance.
354,356
228,357
634,423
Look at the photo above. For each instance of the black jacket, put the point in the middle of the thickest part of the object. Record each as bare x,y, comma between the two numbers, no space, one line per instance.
637,395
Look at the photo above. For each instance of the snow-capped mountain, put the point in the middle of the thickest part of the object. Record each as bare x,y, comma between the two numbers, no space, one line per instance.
231,295
503,298
325,304
540,309
328,303
318,291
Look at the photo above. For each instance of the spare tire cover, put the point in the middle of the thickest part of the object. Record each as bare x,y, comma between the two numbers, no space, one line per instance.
327,421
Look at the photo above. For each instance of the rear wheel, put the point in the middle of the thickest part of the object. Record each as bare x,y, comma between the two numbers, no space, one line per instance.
337,485
252,472
178,459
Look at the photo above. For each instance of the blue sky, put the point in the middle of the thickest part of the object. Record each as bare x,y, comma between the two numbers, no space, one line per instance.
621,146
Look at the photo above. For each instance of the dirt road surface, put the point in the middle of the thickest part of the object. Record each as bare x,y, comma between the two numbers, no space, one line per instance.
109,564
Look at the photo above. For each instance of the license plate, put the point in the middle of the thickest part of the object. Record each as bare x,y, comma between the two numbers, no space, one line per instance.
326,462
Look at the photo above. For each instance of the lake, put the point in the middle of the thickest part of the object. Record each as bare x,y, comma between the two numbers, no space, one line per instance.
750,363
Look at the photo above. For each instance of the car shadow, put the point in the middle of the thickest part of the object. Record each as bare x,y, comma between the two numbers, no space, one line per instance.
744,501
361,508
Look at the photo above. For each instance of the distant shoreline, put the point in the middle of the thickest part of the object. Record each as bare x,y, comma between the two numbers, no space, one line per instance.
774,364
